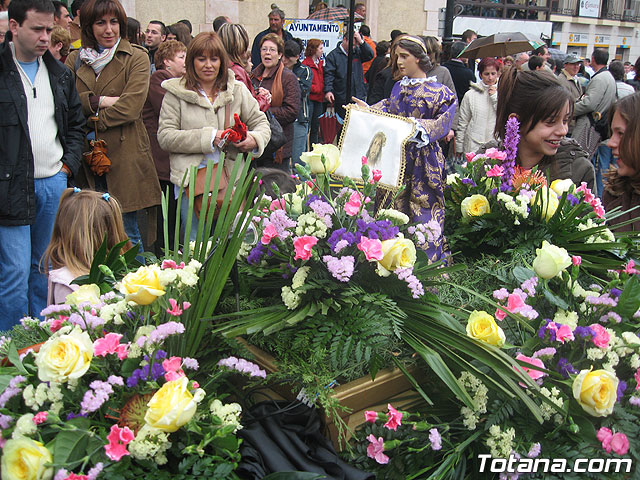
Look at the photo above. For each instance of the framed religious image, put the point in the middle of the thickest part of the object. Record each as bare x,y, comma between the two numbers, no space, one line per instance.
381,137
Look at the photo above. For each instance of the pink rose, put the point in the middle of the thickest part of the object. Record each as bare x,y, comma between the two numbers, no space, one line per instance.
303,246
496,171
370,416
377,175
602,337
352,207
619,443
576,260
534,374
495,154
372,248
269,233
394,418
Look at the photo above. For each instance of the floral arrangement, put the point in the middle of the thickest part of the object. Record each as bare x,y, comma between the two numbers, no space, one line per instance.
105,395
495,205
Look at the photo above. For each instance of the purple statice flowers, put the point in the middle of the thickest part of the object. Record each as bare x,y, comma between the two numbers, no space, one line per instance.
340,239
379,229
511,140
243,366
12,390
340,267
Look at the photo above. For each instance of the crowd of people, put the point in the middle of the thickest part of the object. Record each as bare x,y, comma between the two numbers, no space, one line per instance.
99,118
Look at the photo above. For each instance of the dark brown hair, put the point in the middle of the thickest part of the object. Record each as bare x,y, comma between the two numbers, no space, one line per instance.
629,109
532,96
94,10
312,47
207,44
416,47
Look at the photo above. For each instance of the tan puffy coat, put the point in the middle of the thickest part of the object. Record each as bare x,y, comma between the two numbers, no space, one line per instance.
133,179
188,122
476,119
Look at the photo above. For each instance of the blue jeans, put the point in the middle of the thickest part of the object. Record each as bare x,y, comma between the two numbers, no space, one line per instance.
130,221
602,160
23,288
300,131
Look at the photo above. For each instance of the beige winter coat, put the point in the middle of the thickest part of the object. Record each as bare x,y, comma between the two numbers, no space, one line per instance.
477,118
188,123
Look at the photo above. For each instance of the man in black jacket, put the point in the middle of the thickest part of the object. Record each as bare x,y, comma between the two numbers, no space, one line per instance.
41,142
462,76
335,72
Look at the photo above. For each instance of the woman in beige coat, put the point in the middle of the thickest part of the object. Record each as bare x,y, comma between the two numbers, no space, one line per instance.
193,112
477,115
112,78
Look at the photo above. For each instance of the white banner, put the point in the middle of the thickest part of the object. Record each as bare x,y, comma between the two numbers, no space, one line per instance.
589,8
329,32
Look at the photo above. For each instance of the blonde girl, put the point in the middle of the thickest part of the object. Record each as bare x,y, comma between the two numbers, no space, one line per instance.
83,220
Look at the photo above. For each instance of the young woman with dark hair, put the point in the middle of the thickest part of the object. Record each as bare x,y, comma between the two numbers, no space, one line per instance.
543,107
622,182
431,106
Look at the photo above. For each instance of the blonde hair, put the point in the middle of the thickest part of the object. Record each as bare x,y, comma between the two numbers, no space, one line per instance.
236,41
83,220
61,35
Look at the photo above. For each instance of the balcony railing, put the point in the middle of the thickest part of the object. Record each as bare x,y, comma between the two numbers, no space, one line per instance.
512,9
611,9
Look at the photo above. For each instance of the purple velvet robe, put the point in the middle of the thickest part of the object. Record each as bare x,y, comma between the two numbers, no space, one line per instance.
432,106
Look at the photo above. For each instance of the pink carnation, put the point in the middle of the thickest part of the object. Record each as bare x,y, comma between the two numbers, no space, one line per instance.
56,323
602,337
118,439
40,417
514,304
269,233
576,260
172,265
75,476
470,156
364,160
394,418
172,367
370,416
637,378
372,248
495,154
352,207
630,269
619,443
534,374
303,246
377,175
110,343
278,204
496,171
375,450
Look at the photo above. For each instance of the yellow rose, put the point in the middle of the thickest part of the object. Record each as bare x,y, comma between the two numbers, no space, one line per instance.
65,356
548,202
171,407
86,293
475,206
483,327
596,391
561,186
25,459
397,253
550,260
142,286
314,158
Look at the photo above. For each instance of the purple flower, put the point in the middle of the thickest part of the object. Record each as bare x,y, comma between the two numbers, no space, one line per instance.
379,229
584,333
534,451
340,235
72,415
573,200
435,439
341,268
5,421
511,139
311,199
468,181
544,330
493,191
565,368
622,386
615,292
255,256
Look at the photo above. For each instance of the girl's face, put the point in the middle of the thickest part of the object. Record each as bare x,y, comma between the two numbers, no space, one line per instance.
618,127
106,30
269,54
489,76
407,63
171,36
318,53
206,67
176,64
544,138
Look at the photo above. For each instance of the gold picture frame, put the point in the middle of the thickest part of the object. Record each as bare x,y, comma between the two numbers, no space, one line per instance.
381,137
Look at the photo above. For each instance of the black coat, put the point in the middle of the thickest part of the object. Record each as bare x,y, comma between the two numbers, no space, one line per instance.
462,76
335,73
17,197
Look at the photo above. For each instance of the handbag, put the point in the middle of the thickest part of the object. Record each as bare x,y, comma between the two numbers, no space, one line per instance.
201,177
278,138
97,158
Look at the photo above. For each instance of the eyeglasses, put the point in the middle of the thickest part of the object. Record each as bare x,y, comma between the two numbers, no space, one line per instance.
269,50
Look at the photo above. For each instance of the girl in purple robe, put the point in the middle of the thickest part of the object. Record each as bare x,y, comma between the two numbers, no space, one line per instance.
431,106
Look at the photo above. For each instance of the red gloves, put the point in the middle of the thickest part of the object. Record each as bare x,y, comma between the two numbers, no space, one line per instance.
237,133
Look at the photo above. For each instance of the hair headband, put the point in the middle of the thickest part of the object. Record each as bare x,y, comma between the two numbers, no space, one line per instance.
105,195
414,40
